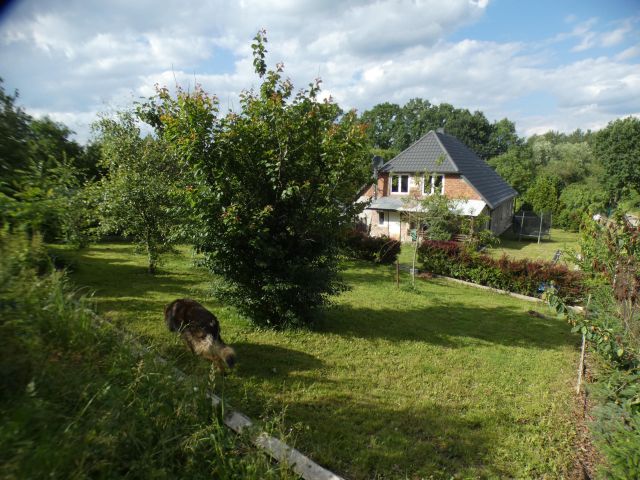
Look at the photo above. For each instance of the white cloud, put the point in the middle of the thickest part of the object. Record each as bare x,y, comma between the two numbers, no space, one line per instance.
591,38
74,59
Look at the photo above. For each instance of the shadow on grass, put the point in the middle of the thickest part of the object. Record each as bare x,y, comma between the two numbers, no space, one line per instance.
448,323
262,361
428,441
120,284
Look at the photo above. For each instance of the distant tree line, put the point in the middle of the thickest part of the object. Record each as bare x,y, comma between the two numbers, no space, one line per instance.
565,174
392,128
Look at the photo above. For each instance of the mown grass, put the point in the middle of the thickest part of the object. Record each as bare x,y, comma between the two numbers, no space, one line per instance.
530,248
443,381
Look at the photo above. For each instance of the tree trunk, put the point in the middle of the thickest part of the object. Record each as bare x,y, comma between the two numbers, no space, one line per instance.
152,256
415,254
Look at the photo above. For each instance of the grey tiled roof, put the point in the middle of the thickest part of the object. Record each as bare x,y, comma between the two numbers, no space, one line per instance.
386,203
438,152
424,155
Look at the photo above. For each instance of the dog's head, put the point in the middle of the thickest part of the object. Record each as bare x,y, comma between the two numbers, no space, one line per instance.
229,356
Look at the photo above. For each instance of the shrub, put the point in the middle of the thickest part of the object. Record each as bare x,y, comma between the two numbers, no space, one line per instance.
518,276
376,249
272,191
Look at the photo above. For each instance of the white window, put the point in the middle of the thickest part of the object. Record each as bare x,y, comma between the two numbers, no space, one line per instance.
438,184
433,184
380,218
400,184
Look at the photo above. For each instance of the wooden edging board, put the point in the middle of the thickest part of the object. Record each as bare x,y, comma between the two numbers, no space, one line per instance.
240,423
502,292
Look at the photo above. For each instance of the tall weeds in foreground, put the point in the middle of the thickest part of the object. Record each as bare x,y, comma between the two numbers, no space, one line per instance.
75,402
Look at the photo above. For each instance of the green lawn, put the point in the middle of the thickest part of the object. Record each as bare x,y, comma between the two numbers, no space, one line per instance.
530,248
445,381
518,249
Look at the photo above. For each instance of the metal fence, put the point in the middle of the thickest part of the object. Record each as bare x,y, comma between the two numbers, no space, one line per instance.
532,225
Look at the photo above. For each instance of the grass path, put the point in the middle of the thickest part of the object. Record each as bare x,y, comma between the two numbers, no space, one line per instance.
445,381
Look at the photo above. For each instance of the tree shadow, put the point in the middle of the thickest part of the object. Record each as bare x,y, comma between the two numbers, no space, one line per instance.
105,276
425,441
449,323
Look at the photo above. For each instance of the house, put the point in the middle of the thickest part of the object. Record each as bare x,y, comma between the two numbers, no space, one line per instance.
437,162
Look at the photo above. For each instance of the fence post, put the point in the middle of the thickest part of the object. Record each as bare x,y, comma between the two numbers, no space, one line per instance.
540,229
521,226
398,273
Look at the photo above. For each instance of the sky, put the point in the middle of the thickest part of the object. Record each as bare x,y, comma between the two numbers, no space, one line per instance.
546,65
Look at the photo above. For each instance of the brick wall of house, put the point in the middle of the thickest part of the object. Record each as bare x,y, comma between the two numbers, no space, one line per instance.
455,188
383,185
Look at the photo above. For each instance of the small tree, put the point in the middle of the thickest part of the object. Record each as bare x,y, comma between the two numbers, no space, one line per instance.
138,196
433,216
273,189
477,234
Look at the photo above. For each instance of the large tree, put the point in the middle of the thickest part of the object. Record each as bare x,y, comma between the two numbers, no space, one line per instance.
381,123
273,188
618,148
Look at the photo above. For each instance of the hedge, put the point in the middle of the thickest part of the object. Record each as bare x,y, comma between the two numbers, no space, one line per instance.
518,276
376,249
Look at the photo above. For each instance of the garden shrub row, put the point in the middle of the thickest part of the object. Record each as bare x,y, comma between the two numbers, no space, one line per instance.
376,249
519,276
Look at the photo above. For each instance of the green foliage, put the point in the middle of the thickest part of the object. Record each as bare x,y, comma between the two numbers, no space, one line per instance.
434,215
577,200
618,148
14,137
542,195
47,200
477,234
394,128
610,250
376,249
77,403
516,167
272,192
139,195
385,154
617,422
381,125
42,176
518,276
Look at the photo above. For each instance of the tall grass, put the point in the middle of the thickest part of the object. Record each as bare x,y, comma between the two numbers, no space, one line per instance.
75,402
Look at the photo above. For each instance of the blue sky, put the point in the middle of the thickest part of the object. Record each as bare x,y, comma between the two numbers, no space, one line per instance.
544,64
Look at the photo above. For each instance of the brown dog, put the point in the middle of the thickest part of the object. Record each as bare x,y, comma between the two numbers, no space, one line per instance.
200,329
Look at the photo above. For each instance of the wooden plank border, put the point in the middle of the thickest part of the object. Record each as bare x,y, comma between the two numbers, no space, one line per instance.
238,422
575,308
